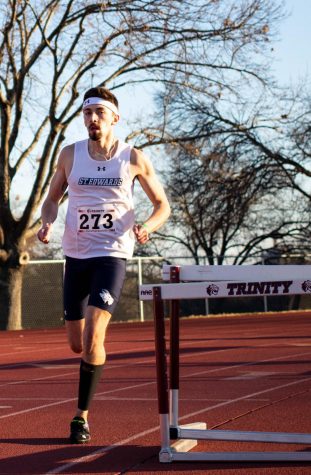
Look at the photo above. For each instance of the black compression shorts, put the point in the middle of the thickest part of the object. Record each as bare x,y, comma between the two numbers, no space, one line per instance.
98,278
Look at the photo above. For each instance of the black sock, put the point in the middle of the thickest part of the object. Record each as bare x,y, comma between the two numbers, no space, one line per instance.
89,376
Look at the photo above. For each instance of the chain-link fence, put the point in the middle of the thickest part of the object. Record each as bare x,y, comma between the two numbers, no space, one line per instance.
42,301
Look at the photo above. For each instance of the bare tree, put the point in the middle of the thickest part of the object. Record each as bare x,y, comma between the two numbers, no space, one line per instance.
225,203
51,51
238,176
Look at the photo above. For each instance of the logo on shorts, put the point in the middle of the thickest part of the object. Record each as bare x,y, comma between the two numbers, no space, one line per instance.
107,298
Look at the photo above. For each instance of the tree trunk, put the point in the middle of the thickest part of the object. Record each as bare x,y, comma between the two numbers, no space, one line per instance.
11,297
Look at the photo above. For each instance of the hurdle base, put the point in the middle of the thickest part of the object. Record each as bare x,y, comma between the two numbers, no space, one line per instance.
225,457
181,445
243,436
189,434
174,454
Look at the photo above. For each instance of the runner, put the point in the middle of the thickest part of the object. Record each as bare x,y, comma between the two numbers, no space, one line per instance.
99,234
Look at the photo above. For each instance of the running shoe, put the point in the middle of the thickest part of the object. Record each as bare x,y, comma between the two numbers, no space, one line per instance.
79,431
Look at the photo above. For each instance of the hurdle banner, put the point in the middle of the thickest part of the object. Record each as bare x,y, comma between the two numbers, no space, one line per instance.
185,437
217,289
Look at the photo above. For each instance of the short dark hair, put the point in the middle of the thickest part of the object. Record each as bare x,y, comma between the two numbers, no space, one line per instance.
103,93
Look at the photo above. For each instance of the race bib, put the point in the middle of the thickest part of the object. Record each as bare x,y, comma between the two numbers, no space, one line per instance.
96,219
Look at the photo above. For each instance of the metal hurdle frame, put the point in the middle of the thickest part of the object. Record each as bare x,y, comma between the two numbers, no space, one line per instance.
186,436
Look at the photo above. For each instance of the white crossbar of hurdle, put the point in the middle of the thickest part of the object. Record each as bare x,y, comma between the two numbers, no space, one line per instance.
195,282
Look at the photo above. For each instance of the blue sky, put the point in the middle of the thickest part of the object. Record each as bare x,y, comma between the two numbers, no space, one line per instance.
292,51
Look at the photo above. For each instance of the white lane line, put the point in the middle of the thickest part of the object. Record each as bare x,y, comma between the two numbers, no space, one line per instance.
51,366
299,344
28,381
37,350
254,375
118,398
46,398
109,448
191,399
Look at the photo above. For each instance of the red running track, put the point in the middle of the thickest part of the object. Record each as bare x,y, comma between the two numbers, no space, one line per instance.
240,373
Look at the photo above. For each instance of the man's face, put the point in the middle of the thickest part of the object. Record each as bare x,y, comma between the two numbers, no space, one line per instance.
98,121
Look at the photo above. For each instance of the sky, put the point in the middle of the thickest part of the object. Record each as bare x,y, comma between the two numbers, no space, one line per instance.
292,51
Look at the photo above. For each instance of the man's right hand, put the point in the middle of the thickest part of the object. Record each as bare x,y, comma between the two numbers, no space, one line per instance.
44,233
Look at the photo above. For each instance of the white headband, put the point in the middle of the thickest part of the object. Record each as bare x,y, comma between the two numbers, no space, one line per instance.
91,101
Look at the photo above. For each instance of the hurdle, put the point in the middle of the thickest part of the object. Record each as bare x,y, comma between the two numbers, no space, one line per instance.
201,282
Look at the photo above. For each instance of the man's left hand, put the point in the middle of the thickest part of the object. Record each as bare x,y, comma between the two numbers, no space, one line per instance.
141,233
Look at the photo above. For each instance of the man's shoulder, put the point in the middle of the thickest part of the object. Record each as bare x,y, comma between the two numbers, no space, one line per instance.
71,147
66,156
137,156
140,163
67,152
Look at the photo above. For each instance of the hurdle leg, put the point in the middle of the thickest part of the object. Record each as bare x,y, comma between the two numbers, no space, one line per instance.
162,383
174,356
184,444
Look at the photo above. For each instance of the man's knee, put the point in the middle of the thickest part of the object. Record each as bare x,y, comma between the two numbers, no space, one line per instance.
93,343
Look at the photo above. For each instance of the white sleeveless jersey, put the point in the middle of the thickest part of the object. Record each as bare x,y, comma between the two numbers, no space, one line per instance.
100,214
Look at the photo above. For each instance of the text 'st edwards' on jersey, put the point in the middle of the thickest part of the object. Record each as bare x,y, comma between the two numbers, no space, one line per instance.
100,181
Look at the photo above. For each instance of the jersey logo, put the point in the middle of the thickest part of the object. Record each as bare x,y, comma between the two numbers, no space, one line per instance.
100,181
101,168
106,296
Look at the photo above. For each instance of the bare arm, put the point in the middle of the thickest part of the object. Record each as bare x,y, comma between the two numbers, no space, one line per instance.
142,169
50,206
